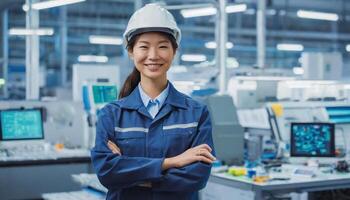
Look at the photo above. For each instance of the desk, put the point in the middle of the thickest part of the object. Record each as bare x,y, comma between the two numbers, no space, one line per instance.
92,189
224,186
29,179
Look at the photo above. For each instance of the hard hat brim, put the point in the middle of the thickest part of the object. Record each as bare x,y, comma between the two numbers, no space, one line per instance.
151,29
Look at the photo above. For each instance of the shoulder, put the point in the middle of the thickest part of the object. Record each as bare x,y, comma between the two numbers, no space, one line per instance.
192,104
111,107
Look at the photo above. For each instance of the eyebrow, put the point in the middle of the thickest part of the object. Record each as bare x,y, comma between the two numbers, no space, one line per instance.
162,41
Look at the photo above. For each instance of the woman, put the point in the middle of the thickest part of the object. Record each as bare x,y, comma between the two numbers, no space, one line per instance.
153,143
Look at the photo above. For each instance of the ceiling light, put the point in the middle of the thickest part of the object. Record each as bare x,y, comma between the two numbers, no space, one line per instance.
178,69
24,31
317,15
348,48
207,11
193,57
271,12
290,47
298,70
2,81
212,45
198,12
50,4
93,58
108,40
264,78
236,8
229,45
232,62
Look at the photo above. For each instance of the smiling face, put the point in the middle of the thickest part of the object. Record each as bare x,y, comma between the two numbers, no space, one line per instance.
153,54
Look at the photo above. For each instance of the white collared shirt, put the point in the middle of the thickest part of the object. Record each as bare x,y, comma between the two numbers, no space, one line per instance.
153,105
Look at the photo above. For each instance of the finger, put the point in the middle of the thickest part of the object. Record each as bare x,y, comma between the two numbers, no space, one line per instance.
114,145
113,149
208,155
204,159
204,146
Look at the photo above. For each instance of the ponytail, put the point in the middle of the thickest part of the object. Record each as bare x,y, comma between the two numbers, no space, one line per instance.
130,83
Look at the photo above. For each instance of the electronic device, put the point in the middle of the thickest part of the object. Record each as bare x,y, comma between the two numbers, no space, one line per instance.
103,93
312,139
304,173
342,166
98,94
21,124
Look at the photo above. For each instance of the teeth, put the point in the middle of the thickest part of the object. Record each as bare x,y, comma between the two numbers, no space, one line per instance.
153,65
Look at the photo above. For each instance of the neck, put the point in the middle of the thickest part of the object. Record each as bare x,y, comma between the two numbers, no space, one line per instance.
153,87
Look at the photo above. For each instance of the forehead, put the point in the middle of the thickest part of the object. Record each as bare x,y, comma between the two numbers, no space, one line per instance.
152,37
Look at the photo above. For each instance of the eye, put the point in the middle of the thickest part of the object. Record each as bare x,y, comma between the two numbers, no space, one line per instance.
143,47
163,47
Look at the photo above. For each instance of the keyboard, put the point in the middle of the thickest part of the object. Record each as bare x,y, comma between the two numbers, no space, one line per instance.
38,152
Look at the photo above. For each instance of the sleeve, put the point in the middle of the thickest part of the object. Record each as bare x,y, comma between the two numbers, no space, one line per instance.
193,177
115,171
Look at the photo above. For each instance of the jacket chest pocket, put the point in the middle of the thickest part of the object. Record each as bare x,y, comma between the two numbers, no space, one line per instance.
131,143
178,140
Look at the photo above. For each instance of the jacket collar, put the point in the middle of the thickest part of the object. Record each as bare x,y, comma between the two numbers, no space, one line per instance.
134,101
175,98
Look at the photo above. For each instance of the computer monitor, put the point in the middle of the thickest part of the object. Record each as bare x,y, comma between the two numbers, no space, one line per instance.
21,124
312,140
104,93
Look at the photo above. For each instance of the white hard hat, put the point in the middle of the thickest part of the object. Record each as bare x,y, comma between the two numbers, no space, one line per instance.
152,17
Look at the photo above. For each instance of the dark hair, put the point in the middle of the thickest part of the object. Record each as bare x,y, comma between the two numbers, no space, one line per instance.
134,77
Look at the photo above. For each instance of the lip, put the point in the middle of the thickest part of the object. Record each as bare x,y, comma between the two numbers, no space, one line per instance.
153,67
147,64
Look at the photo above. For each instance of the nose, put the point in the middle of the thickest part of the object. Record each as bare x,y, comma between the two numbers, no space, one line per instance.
153,54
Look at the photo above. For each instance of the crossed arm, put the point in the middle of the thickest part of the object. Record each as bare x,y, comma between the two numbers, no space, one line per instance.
199,153
187,171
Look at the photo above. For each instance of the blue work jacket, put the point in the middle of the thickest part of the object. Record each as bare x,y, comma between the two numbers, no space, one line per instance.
181,123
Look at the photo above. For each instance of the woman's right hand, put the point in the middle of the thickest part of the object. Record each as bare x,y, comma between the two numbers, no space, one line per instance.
199,153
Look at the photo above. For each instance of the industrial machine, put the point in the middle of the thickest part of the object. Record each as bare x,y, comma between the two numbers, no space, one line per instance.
95,96
288,118
228,134
28,130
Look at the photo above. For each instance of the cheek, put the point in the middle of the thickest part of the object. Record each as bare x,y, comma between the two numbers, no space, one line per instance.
168,57
138,58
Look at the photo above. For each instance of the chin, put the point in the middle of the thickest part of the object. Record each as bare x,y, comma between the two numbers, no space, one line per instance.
154,76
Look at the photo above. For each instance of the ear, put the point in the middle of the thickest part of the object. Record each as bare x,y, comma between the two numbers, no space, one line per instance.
175,51
131,55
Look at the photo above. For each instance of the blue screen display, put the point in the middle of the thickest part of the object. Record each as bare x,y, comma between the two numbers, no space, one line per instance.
21,124
104,93
312,140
